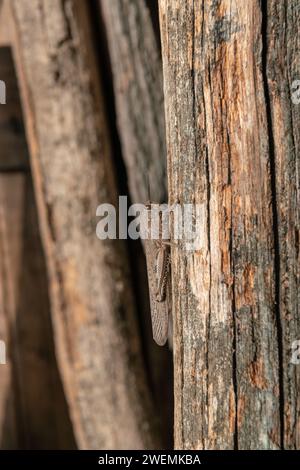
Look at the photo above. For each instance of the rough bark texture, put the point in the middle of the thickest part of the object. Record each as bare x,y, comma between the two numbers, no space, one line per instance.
228,327
282,68
93,309
137,78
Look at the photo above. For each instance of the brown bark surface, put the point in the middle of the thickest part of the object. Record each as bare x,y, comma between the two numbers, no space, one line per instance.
93,311
233,388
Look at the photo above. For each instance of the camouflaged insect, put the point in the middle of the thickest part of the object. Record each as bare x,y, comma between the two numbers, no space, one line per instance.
158,267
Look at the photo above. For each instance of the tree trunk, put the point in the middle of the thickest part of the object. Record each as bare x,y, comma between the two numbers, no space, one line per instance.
91,297
235,302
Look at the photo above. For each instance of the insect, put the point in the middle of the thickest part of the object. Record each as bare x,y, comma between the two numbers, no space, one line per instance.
158,268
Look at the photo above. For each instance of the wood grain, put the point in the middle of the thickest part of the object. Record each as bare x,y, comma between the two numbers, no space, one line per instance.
227,332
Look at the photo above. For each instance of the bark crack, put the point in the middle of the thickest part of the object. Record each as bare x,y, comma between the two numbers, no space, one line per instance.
264,35
233,309
192,71
208,222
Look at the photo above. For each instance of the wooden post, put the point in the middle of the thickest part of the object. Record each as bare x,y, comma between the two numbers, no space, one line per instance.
235,310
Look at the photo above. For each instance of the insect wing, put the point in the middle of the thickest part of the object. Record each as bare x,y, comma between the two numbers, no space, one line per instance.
159,310
162,264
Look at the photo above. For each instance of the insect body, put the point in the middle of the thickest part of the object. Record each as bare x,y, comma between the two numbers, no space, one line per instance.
158,267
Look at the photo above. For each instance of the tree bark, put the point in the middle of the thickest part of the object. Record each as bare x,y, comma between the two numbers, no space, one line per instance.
233,388
91,297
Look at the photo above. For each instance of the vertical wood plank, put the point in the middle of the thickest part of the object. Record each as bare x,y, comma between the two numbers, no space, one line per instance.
226,343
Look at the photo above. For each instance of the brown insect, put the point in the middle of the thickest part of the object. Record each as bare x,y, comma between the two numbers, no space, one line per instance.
158,267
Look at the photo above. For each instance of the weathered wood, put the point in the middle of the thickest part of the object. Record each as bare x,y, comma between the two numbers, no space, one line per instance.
282,31
92,305
39,385
137,79
33,396
227,331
